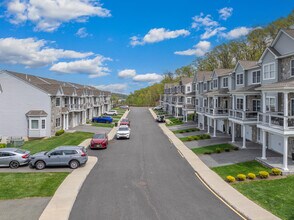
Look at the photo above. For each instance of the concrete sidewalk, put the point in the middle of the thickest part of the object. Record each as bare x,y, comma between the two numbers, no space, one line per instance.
241,204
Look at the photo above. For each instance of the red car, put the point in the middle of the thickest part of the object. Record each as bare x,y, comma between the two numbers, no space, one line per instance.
125,121
99,141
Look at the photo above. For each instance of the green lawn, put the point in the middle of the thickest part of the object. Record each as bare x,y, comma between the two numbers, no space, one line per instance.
174,121
47,144
23,185
277,196
186,130
244,168
212,148
104,125
195,137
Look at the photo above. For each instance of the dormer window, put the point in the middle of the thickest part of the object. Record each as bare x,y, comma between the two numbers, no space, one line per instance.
215,83
292,67
57,102
256,77
204,86
269,71
240,79
188,88
225,82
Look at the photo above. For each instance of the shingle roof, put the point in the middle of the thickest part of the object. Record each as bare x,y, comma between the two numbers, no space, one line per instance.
201,74
290,32
246,64
52,86
36,113
223,91
285,84
250,88
207,75
186,80
223,72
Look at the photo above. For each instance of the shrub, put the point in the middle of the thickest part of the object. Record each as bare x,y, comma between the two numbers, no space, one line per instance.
227,150
218,150
236,148
241,177
2,145
207,152
251,176
263,174
182,132
190,138
231,179
60,132
276,171
196,138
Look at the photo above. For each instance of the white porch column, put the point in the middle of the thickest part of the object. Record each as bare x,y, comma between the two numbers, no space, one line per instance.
63,124
286,112
177,112
244,137
214,128
198,121
244,103
263,102
233,132
263,145
233,102
208,125
186,116
285,154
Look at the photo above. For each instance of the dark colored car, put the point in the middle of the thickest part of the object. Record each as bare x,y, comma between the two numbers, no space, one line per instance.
102,119
99,141
125,121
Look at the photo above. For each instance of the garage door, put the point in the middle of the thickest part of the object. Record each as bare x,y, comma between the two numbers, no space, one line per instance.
276,143
248,132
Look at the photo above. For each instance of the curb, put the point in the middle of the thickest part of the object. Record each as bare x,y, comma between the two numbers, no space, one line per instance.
240,204
112,133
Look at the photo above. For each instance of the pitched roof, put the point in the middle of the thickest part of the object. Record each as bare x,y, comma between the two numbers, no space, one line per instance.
289,32
186,80
52,86
36,113
250,88
246,64
220,92
201,74
287,84
222,72
207,75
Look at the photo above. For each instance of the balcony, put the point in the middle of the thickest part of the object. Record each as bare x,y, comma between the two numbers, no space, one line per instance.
189,106
217,111
200,109
276,120
75,107
243,115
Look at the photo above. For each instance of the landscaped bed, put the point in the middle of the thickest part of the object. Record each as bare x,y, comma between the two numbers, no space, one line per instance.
174,121
218,148
195,137
186,130
23,185
48,144
104,125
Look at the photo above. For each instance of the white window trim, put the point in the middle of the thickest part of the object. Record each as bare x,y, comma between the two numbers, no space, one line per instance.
291,67
241,98
227,78
59,122
205,87
271,97
237,79
269,64
215,87
190,100
259,102
291,100
259,77
59,102
41,124
34,119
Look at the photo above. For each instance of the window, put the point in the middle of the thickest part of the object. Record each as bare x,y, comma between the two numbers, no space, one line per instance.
57,101
215,83
240,79
43,123
256,77
198,101
188,88
292,69
269,71
270,103
204,86
239,104
225,82
205,103
197,87
34,124
69,152
211,85
56,153
256,105
57,122
189,100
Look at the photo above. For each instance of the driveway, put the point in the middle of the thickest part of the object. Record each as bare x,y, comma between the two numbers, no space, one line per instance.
91,129
145,178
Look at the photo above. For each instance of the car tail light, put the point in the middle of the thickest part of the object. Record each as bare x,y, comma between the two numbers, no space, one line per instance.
83,154
25,156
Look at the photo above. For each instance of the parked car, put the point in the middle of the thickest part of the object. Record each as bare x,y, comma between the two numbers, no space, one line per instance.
160,118
99,141
13,157
125,121
72,156
123,131
159,107
102,119
111,112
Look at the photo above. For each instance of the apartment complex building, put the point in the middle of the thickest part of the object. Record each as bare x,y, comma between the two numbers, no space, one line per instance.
254,101
33,107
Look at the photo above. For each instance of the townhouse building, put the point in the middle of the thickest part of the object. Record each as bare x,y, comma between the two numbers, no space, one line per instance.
34,107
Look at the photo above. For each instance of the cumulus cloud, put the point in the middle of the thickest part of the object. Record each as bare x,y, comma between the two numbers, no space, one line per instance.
225,13
48,15
33,53
119,88
198,50
127,73
203,21
236,33
148,77
93,67
210,32
158,34
82,33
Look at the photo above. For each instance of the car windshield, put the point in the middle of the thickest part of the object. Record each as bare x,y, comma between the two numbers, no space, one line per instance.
99,136
123,129
124,120
20,151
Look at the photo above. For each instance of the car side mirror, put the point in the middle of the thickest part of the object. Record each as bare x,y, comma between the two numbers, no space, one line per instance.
49,155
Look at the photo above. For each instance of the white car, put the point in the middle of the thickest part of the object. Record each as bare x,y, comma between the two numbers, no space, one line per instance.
123,131
158,108
111,112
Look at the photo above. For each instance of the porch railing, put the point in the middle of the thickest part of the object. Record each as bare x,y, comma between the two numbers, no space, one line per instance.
217,111
243,115
276,120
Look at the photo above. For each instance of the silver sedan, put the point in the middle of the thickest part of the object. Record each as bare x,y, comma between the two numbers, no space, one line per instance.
13,157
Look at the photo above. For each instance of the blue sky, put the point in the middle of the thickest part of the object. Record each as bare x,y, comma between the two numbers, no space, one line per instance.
121,46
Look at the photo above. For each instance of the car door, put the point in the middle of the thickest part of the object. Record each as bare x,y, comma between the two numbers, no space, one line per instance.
5,158
68,155
55,158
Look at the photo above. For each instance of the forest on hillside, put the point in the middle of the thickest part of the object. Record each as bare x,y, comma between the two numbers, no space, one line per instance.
225,55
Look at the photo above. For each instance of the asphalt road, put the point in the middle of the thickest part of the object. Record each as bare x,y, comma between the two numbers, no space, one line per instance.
145,178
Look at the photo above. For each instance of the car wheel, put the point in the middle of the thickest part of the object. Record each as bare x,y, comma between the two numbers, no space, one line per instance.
40,165
14,164
74,164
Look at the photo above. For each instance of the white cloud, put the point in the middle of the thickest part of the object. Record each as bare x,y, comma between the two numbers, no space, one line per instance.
82,33
209,32
148,77
48,15
225,13
198,50
33,53
158,34
201,20
119,88
127,73
93,67
236,33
